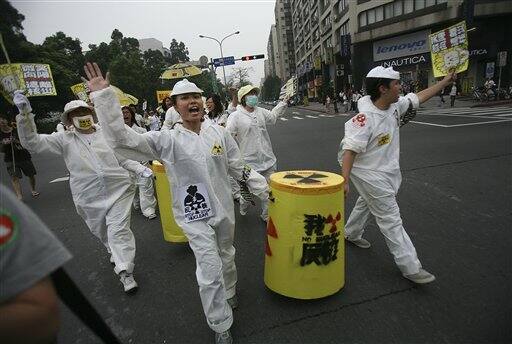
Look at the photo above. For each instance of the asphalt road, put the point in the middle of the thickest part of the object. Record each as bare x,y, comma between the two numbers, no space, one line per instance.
456,204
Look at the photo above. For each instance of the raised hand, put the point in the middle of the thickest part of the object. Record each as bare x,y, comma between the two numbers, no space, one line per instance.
95,80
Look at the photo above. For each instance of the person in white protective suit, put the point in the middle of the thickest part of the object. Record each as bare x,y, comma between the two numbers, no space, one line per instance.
198,157
216,112
144,199
369,157
100,183
172,117
248,125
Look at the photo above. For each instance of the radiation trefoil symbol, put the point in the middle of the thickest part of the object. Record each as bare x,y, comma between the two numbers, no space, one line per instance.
311,179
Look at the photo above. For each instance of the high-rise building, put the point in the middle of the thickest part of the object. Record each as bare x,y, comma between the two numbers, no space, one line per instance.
153,44
283,19
338,41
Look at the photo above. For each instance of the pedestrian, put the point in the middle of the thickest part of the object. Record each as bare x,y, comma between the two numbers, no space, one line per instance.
144,199
138,118
453,94
369,156
328,104
153,121
30,253
172,117
216,111
441,98
165,105
355,98
248,125
198,157
17,159
100,183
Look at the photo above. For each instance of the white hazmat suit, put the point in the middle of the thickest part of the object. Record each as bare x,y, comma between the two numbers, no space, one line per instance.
250,132
100,184
374,135
197,166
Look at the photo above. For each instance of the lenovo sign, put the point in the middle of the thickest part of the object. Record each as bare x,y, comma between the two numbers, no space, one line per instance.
411,44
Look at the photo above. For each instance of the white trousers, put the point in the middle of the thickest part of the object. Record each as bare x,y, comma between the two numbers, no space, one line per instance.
145,196
264,204
380,201
215,269
117,235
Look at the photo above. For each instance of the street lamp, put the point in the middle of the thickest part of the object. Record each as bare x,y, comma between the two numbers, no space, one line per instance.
221,53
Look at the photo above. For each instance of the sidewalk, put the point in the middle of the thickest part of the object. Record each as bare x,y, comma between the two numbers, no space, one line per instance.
432,103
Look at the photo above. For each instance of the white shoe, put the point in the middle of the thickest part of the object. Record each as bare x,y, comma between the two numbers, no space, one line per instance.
422,277
128,282
223,338
151,216
362,243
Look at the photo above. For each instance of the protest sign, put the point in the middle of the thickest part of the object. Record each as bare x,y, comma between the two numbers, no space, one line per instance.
34,78
449,50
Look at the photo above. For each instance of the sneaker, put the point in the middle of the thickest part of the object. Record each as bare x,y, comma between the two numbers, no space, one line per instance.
233,302
362,243
422,277
243,207
223,338
151,216
129,284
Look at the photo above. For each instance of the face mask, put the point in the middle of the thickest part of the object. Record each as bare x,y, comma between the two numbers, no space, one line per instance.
251,101
83,122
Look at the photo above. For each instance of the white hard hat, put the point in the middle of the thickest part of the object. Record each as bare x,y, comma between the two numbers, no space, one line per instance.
73,105
381,72
185,86
244,90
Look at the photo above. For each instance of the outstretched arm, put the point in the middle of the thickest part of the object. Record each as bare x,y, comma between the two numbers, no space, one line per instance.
428,93
120,137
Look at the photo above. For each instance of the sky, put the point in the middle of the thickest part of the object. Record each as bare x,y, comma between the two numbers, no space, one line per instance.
93,21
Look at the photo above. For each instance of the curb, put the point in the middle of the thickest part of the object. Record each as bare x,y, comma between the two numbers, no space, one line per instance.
493,103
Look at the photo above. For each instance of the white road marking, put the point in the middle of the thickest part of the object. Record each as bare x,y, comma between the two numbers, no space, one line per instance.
308,116
61,179
283,119
296,113
297,117
478,123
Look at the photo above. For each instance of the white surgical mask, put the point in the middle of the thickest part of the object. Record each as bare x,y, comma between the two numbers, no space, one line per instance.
251,100
83,122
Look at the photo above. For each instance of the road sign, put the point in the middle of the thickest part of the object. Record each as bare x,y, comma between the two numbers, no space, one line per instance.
253,57
226,61
502,59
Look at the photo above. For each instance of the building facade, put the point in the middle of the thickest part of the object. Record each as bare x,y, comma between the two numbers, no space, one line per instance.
146,44
337,41
284,32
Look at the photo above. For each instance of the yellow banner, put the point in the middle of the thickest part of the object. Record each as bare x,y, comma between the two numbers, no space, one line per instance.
449,50
81,91
35,78
160,95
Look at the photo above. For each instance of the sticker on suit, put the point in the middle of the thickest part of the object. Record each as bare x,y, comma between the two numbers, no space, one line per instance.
195,202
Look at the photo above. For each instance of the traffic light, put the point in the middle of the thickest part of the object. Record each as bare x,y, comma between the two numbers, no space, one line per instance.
253,57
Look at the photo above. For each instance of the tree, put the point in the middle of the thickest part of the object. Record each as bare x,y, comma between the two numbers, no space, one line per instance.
239,77
271,88
179,52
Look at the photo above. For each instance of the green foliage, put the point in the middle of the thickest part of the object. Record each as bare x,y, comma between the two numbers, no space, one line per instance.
179,52
271,88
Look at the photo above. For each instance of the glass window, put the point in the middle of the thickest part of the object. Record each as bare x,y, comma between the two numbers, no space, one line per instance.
408,6
430,3
397,6
388,10
419,4
371,16
362,19
379,13
441,1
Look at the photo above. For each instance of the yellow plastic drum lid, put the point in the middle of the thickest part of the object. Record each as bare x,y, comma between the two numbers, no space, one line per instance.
171,231
305,251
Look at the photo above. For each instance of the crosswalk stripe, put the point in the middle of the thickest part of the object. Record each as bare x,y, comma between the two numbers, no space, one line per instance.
297,117
283,119
308,116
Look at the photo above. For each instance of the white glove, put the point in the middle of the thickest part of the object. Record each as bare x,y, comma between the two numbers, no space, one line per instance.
146,172
22,102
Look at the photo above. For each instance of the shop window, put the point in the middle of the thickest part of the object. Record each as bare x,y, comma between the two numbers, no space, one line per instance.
429,3
388,10
379,13
362,19
371,16
397,8
441,1
408,6
419,4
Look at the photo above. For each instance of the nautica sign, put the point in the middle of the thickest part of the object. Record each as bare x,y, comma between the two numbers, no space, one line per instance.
405,45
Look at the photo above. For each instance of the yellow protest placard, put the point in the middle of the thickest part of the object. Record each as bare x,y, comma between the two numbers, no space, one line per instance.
160,95
449,50
35,78
81,91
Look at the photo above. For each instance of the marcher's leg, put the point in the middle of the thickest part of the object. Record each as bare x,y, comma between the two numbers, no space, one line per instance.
225,237
354,228
147,197
264,205
17,187
387,214
136,199
202,241
120,236
235,188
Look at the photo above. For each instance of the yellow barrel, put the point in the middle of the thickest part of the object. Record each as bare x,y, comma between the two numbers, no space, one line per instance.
172,232
305,250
